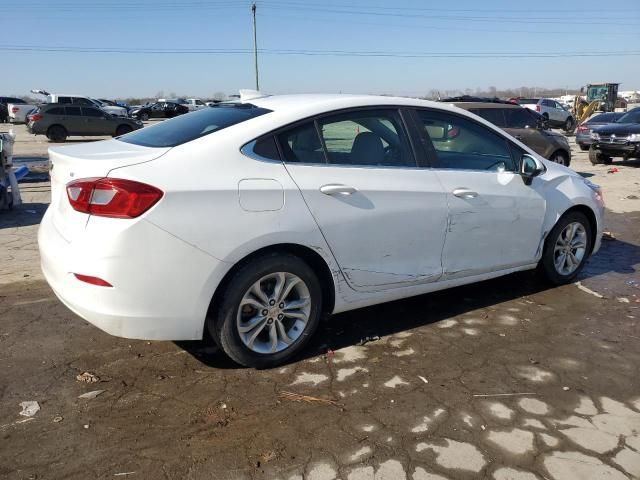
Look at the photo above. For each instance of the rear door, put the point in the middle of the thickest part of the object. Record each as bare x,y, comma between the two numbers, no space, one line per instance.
74,122
495,220
383,217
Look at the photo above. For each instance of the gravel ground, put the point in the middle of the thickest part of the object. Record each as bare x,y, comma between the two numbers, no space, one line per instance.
507,379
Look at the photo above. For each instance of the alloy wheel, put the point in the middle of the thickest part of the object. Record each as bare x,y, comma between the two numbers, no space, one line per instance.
273,313
570,248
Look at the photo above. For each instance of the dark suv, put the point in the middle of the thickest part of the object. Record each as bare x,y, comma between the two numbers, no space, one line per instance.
523,124
58,121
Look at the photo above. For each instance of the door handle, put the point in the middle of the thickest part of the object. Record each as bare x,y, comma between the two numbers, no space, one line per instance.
464,193
337,189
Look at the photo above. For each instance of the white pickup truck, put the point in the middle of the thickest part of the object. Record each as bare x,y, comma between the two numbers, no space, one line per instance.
14,110
194,104
82,100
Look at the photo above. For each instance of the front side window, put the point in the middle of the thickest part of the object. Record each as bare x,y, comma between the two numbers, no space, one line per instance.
461,143
185,128
366,138
91,112
520,118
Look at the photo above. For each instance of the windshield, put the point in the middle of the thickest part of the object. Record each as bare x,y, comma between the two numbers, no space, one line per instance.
185,128
632,116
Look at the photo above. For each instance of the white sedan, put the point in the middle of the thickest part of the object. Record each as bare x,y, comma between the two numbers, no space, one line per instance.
248,221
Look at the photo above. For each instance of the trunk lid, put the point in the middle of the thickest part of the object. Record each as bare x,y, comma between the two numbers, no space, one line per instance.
86,160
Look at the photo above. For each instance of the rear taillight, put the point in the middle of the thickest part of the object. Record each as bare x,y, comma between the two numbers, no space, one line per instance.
582,128
537,108
14,109
112,197
34,118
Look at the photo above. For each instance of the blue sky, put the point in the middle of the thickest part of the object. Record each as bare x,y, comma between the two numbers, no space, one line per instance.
385,29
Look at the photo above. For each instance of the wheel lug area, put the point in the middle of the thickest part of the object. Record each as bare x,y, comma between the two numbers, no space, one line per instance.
281,305
265,312
272,302
270,321
280,316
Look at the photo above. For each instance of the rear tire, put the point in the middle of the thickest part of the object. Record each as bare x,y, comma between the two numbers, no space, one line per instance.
144,117
257,327
584,148
57,133
566,248
123,130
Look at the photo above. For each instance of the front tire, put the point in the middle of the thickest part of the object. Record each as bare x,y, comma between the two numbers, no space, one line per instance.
123,130
268,311
144,117
567,248
560,157
596,157
569,124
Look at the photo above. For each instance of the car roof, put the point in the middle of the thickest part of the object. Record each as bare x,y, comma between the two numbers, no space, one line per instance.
484,105
315,103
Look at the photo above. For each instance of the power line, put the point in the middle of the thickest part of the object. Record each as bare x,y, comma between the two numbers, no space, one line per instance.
306,52
350,21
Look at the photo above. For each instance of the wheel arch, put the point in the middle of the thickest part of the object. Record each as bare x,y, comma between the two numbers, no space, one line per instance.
591,216
310,256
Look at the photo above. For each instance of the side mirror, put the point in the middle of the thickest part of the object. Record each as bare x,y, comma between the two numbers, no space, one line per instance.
530,167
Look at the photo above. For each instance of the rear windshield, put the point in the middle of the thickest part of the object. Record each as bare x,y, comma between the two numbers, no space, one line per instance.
528,101
185,128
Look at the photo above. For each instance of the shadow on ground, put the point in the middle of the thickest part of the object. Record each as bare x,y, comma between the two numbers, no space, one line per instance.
352,328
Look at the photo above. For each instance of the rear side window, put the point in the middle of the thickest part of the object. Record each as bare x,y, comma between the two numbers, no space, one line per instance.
72,110
56,111
366,138
185,128
493,115
65,100
528,101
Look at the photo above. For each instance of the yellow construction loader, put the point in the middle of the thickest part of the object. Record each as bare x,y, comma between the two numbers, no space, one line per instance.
600,97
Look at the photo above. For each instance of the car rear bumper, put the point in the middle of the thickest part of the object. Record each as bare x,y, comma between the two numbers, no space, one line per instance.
162,286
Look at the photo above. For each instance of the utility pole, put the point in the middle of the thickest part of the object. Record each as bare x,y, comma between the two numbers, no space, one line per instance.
255,44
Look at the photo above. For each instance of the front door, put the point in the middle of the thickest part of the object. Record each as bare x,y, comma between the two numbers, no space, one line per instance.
96,123
495,220
382,216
